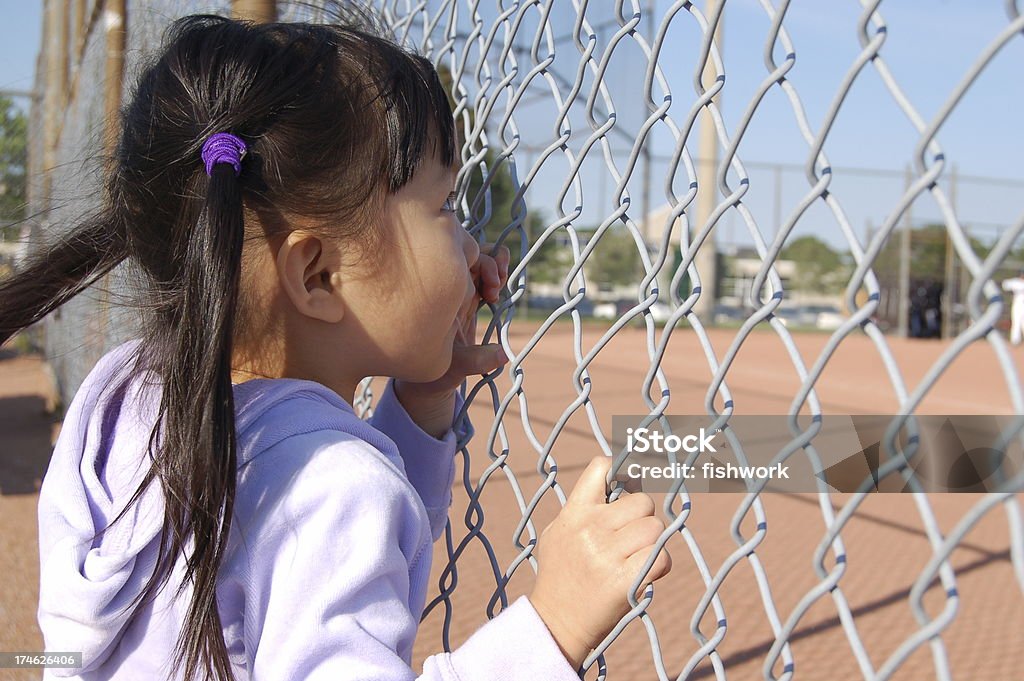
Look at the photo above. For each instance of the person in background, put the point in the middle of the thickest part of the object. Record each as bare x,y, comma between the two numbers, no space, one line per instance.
933,310
918,300
1015,285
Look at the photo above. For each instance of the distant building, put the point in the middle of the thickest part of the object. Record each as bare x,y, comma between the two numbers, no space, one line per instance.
736,271
739,270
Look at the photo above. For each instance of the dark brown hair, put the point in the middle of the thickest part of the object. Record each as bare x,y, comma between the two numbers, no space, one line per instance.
335,116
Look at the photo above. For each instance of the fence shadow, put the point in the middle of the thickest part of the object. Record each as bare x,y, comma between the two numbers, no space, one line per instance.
25,443
760,650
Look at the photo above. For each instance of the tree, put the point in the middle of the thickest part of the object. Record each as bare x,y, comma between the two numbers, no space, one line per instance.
927,254
818,267
13,159
615,259
547,264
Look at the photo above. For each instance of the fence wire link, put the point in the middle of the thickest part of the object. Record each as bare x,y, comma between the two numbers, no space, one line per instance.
493,65
496,66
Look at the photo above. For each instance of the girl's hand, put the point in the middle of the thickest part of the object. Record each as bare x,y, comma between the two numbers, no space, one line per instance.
588,558
431,404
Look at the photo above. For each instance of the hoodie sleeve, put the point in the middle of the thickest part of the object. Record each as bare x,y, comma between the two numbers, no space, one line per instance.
328,572
429,461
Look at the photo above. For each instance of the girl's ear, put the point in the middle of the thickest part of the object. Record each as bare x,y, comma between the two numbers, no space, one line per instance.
309,277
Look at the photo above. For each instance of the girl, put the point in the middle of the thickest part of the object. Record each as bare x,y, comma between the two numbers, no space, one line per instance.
285,193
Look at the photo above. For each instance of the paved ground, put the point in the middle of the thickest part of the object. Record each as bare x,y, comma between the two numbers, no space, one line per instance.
885,542
27,434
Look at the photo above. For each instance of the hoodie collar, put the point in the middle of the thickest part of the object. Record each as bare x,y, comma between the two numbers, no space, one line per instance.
268,410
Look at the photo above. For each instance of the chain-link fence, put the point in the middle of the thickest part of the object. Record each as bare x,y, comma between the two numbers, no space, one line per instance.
505,58
586,113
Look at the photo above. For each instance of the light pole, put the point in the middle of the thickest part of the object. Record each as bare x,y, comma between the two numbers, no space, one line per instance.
707,158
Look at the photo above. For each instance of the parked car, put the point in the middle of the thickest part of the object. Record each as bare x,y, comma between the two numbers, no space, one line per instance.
552,303
613,309
826,317
724,314
659,311
605,311
793,315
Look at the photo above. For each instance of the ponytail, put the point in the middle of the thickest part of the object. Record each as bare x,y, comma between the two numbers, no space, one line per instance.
197,460
190,346
53,276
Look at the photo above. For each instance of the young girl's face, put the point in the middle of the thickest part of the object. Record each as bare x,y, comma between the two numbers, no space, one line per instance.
395,313
428,287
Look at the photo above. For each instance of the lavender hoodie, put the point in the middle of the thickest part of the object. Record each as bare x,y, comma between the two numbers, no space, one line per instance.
329,553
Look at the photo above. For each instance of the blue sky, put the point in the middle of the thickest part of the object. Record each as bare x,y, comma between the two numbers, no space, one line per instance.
20,32
930,45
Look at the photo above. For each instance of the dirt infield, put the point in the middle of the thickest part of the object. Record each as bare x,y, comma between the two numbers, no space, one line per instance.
27,434
885,542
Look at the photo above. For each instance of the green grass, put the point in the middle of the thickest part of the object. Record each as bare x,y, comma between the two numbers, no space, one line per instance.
20,343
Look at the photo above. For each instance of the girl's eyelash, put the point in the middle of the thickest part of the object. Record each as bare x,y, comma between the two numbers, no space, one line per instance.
449,204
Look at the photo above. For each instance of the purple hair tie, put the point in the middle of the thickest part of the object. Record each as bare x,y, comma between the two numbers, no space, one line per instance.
223,147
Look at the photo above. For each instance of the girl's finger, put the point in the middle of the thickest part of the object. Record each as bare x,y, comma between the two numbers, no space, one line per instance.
502,256
470,360
489,283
